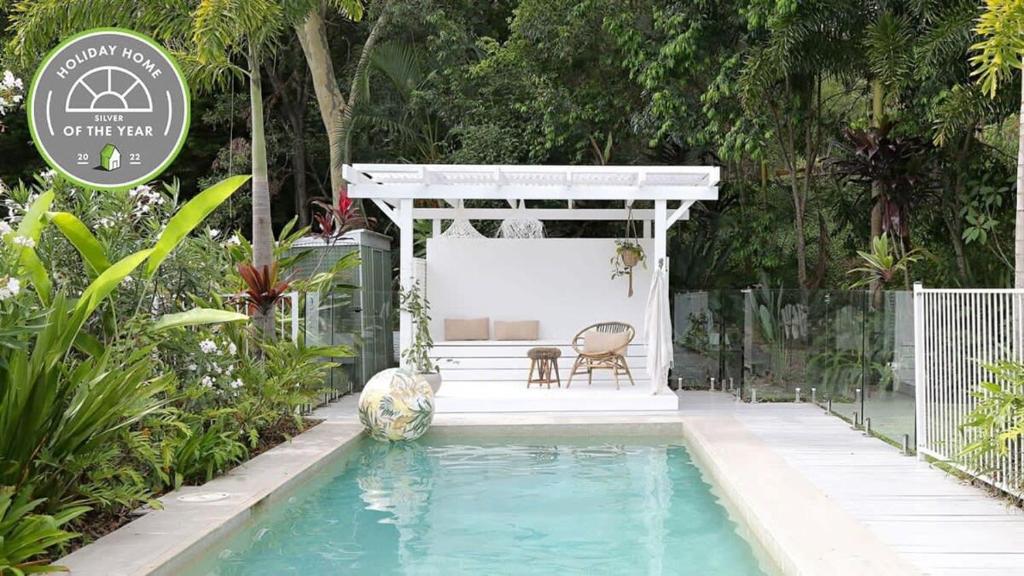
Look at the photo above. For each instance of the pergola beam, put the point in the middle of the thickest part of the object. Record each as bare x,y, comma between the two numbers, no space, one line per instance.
565,214
512,192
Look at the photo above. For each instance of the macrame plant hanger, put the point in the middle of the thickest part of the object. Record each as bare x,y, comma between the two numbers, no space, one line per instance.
630,257
460,226
521,225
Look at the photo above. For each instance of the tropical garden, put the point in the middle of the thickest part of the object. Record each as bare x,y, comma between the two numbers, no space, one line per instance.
138,349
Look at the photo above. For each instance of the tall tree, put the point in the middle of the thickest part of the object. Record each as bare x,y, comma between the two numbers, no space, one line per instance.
1001,26
337,109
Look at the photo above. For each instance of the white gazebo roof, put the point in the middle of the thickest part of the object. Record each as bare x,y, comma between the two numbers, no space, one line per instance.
504,182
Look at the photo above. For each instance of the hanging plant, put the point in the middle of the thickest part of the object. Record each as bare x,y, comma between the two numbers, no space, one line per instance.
628,253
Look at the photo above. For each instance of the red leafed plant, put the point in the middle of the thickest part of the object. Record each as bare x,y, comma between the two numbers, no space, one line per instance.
263,289
335,220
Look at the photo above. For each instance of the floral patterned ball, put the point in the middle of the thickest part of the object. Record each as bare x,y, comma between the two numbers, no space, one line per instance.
396,405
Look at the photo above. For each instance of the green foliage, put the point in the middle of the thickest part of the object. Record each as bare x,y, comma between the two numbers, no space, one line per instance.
417,355
881,266
1001,26
25,536
997,420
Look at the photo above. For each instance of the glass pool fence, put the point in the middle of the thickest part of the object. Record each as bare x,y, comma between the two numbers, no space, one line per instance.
848,351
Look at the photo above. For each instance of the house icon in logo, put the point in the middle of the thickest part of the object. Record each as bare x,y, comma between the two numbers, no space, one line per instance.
110,157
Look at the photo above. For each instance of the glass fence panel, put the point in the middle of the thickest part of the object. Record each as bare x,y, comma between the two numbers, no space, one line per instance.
852,351
889,386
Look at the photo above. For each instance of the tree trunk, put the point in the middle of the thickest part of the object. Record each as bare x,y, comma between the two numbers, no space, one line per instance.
1018,237
335,111
313,38
292,97
877,117
299,169
345,128
262,232
956,239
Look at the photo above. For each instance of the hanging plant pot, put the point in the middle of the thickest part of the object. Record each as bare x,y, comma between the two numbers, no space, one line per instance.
628,252
630,256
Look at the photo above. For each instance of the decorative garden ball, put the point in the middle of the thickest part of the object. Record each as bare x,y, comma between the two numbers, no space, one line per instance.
396,405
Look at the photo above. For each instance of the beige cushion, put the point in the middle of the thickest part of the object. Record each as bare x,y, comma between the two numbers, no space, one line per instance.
521,330
468,329
595,342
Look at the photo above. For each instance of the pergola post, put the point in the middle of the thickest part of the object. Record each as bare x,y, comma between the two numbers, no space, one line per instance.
660,233
405,270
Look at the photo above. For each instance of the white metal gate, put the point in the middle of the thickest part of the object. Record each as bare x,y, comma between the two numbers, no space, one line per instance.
956,333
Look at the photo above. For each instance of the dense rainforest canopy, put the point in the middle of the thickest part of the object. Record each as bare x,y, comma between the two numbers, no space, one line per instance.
833,121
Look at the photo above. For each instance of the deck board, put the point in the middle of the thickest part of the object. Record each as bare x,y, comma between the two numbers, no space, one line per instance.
939,524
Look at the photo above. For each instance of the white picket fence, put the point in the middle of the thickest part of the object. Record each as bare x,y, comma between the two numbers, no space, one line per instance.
956,333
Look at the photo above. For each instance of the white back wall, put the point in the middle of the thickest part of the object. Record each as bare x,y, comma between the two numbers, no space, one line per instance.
565,283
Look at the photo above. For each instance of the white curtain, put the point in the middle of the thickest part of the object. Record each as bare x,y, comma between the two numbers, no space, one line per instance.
658,330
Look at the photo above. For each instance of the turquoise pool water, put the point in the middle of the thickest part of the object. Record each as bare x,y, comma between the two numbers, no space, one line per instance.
483,507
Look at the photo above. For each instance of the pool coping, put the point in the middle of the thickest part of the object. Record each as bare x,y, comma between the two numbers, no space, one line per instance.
162,541
820,539
802,531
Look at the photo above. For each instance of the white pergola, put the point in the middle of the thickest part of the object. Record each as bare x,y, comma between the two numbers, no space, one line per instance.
395,188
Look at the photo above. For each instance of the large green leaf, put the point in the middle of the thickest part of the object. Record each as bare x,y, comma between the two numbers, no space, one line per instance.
31,227
106,282
198,317
189,216
82,239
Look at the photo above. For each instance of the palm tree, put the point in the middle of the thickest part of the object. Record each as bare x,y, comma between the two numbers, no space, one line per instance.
1001,27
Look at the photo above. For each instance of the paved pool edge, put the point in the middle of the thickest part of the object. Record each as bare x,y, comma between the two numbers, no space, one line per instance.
798,526
164,540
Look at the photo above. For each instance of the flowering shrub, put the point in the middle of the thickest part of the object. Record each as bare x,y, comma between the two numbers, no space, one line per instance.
172,404
11,92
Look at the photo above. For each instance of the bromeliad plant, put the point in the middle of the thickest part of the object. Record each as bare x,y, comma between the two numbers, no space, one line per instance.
881,266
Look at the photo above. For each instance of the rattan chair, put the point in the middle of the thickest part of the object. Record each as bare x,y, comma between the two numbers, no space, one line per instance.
602,360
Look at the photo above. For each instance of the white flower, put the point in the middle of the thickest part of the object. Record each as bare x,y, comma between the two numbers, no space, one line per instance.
207,382
5,229
9,288
233,241
24,241
192,367
213,232
48,175
236,383
104,222
208,346
232,349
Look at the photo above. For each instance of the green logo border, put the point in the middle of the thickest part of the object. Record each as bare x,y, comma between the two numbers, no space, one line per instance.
181,139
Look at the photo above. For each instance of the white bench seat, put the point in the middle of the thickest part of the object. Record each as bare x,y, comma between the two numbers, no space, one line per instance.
506,361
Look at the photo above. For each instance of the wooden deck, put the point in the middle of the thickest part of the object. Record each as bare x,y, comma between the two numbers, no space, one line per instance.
933,521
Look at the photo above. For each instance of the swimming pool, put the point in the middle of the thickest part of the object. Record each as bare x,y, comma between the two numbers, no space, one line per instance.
463,505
